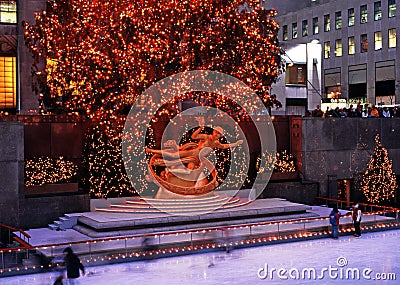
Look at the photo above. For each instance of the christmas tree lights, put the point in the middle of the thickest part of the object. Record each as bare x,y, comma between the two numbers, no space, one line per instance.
284,162
379,181
105,175
281,162
96,58
101,55
47,170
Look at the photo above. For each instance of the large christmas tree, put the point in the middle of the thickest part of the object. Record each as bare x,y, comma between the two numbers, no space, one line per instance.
101,55
97,57
378,182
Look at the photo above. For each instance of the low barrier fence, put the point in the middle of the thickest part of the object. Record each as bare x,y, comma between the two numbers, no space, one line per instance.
365,207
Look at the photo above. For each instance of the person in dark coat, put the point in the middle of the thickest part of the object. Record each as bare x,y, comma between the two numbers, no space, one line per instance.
356,214
73,265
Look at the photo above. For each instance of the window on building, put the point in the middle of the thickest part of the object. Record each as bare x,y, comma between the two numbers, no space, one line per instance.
327,23
327,49
338,20
363,14
304,29
332,83
8,79
358,82
315,25
392,8
338,47
294,31
296,106
364,42
352,46
378,40
285,33
385,82
8,12
377,11
392,38
351,17
296,74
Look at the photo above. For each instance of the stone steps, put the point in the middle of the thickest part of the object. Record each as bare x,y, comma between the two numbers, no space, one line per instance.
65,222
176,206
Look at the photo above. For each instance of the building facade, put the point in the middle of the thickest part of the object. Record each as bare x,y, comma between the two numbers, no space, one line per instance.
359,51
359,46
16,85
8,55
299,87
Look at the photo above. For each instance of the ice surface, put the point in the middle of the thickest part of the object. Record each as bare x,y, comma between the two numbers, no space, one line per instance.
379,252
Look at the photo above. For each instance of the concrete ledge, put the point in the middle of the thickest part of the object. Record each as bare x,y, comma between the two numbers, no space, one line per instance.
93,233
97,224
52,189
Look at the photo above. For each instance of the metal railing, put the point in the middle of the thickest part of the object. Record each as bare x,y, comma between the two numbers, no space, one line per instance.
365,206
22,236
14,235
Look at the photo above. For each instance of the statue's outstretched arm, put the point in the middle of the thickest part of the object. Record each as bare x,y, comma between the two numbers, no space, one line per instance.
166,153
229,145
196,134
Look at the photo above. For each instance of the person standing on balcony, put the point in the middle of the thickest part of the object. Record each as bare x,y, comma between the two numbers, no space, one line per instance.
317,112
386,112
374,112
357,220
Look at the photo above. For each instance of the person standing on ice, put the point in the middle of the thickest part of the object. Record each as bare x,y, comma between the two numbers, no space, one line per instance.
334,218
357,220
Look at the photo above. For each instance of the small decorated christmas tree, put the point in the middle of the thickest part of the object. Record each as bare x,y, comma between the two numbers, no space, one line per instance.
379,181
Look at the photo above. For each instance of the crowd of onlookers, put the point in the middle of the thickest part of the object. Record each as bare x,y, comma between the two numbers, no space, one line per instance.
361,111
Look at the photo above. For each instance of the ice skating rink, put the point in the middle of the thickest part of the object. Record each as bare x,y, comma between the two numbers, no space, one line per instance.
373,258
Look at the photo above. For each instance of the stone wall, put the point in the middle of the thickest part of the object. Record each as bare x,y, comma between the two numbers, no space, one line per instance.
11,171
334,147
294,191
18,209
62,135
28,99
341,147
39,211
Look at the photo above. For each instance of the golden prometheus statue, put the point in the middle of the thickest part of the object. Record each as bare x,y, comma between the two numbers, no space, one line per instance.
184,166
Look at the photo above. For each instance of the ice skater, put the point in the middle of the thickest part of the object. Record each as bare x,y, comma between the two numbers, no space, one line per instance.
356,214
226,240
74,266
59,280
148,248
